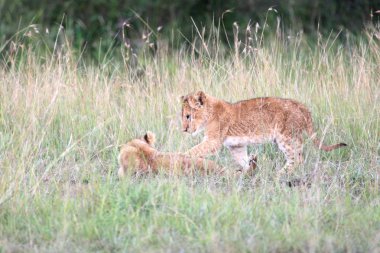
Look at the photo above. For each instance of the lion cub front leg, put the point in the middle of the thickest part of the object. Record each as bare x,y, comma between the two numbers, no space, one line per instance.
205,148
239,153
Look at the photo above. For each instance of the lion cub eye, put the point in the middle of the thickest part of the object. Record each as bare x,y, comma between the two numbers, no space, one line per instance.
188,116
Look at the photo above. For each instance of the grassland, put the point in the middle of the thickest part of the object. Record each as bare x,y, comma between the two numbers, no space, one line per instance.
62,120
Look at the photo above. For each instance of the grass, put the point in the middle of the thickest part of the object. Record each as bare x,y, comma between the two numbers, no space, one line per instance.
62,120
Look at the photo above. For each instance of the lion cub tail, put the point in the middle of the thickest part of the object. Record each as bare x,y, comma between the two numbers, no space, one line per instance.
318,143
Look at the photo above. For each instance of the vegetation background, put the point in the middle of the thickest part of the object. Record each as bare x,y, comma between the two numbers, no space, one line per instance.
79,78
95,24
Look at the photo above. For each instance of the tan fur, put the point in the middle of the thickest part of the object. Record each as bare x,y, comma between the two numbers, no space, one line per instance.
258,120
139,156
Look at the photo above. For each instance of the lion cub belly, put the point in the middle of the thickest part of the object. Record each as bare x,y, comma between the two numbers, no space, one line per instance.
231,141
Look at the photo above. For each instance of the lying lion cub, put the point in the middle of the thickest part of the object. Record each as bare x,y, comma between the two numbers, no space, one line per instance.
140,156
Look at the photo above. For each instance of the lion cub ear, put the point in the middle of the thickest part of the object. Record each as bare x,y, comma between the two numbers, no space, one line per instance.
182,99
200,96
198,100
150,138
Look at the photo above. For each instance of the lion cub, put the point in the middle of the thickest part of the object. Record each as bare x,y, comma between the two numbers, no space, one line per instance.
254,121
139,155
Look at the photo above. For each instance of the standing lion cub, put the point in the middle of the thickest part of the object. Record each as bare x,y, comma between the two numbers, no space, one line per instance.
139,155
254,121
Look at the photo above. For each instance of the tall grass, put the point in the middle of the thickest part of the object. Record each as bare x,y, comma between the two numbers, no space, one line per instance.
62,120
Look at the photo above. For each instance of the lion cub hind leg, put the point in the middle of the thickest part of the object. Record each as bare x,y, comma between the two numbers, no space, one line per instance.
292,149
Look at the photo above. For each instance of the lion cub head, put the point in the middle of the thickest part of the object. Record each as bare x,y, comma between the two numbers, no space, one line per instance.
137,154
194,112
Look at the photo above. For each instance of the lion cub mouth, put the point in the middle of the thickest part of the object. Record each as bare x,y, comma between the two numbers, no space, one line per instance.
198,131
